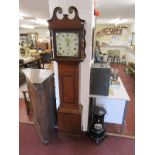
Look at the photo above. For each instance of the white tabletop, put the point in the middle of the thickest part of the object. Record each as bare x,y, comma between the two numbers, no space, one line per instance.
116,92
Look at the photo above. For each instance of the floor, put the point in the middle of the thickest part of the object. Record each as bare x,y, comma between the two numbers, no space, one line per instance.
30,144
129,84
23,117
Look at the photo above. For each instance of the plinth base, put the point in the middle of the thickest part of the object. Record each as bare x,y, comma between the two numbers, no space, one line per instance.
69,120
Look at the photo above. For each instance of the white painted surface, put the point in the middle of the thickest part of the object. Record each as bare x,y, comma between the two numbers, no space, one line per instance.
114,103
56,79
114,108
116,9
86,12
37,76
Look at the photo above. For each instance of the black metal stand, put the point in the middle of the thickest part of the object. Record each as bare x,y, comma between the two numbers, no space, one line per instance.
97,131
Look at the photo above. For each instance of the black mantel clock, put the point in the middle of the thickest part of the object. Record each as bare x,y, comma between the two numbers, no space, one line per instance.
68,41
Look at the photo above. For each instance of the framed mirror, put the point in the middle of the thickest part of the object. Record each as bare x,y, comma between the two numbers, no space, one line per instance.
32,40
23,38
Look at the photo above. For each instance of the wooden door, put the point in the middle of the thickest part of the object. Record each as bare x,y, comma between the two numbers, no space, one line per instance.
69,85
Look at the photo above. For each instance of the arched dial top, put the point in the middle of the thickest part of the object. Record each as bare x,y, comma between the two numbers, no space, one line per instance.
67,35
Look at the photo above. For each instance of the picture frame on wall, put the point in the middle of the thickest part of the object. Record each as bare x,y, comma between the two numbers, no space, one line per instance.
32,40
23,38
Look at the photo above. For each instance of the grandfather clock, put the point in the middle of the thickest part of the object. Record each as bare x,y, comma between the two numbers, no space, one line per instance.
68,40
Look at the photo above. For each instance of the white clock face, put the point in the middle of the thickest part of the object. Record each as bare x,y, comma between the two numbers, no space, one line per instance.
67,44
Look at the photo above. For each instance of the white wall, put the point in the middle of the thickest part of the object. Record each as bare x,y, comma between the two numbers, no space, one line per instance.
86,11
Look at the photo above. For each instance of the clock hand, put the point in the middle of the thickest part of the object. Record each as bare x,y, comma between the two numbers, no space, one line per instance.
69,48
68,43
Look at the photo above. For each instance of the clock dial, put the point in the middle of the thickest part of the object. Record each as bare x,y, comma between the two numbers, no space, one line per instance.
67,44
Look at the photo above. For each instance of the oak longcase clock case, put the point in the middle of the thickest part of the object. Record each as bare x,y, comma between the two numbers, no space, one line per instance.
68,40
